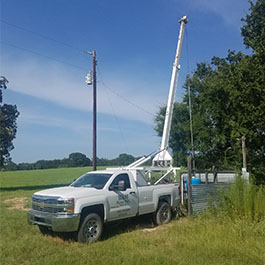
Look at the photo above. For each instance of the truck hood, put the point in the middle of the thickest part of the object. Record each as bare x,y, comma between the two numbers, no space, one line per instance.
69,192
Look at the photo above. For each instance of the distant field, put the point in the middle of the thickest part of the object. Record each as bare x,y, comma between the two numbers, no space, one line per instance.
203,240
26,182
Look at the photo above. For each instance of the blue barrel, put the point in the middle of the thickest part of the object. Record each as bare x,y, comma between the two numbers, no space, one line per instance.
194,181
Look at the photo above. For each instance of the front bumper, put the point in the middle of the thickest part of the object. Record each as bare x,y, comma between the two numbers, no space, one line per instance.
57,223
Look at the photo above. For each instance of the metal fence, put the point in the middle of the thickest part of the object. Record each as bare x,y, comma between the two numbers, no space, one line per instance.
204,195
222,177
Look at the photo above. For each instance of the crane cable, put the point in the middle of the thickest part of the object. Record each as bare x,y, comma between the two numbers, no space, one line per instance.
189,102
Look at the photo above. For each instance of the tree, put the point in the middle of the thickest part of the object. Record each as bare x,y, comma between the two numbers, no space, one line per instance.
253,32
123,160
8,126
78,160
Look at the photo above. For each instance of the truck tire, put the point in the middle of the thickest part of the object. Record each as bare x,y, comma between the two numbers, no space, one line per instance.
90,229
163,214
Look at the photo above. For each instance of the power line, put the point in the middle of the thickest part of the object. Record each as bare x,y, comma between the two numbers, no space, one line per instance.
115,116
81,68
42,55
123,98
41,35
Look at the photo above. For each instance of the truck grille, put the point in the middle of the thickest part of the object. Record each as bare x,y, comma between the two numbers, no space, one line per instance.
46,200
47,204
47,209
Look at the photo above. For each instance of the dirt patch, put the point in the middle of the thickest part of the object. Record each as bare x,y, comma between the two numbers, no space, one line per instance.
18,203
150,229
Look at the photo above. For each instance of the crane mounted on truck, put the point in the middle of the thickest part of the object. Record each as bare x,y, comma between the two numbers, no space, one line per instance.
113,194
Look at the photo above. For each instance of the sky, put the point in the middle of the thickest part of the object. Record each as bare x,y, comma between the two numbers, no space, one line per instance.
44,46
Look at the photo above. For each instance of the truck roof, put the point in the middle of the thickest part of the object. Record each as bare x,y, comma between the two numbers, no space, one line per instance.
108,170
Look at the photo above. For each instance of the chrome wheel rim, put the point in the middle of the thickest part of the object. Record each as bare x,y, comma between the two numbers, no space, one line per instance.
164,214
91,229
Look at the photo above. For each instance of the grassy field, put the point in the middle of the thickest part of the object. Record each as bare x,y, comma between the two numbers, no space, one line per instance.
202,240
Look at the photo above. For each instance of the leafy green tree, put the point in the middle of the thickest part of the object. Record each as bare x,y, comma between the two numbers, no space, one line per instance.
11,166
78,160
8,126
253,32
123,160
229,103
25,166
44,164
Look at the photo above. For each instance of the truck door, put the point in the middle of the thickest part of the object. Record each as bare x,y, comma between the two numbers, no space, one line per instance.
122,203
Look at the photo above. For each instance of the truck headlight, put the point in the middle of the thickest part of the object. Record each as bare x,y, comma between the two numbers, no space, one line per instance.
71,201
68,204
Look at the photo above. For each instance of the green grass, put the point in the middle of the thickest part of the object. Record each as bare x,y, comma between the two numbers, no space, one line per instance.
26,182
208,239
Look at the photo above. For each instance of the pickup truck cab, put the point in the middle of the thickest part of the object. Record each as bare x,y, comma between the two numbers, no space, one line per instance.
98,197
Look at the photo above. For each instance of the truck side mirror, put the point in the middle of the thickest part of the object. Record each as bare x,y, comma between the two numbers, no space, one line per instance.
121,185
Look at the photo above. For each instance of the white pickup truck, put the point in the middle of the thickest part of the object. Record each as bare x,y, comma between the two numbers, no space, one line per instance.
98,197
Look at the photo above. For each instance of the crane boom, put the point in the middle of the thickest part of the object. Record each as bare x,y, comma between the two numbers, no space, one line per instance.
164,158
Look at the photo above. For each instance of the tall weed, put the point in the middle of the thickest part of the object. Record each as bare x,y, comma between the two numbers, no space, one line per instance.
242,200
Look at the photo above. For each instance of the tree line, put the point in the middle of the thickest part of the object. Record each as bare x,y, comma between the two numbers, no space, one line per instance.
74,160
228,103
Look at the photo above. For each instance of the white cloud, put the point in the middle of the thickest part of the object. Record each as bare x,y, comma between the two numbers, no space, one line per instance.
230,10
27,116
55,83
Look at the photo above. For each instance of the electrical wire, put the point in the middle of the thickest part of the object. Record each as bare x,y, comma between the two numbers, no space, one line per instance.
42,55
114,113
125,99
41,35
78,67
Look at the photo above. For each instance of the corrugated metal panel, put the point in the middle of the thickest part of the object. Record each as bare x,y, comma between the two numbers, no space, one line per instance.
223,177
203,194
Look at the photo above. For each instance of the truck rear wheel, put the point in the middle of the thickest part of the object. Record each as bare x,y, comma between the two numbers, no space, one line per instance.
90,229
163,214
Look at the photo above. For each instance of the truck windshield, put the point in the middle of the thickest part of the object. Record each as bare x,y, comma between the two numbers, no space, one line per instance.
97,181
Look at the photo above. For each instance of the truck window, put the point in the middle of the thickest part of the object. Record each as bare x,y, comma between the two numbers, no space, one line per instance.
92,180
123,177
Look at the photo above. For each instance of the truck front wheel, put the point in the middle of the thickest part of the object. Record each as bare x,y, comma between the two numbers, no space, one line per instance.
90,229
163,214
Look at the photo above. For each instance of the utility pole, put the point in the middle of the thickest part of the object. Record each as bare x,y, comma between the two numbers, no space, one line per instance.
89,82
243,138
189,186
94,112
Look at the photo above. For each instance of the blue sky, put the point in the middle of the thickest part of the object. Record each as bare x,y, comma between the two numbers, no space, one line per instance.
42,56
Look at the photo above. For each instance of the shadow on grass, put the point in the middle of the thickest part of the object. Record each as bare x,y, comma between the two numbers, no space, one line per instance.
127,225
115,228
38,187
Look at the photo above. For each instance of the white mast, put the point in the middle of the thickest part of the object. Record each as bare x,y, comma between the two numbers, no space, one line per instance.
164,158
